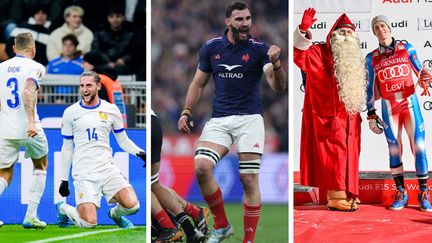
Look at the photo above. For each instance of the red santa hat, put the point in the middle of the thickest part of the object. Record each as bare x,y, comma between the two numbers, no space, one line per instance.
345,22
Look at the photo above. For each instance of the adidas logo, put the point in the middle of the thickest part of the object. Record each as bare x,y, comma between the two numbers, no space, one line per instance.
217,57
256,145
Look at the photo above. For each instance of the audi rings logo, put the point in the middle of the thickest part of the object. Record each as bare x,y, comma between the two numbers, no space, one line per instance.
402,70
427,64
427,105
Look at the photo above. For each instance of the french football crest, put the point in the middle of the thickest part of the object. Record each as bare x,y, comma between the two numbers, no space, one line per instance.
103,116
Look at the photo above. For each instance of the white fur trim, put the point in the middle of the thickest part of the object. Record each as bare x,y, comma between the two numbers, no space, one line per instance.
300,40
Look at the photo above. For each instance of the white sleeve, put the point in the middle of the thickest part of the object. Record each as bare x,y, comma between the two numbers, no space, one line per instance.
66,158
117,125
37,74
126,144
66,127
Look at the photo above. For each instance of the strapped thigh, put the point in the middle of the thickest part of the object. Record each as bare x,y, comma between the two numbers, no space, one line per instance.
208,154
155,178
249,166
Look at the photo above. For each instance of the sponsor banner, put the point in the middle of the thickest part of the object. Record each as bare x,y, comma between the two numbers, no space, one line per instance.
13,202
177,172
380,191
411,22
424,23
334,6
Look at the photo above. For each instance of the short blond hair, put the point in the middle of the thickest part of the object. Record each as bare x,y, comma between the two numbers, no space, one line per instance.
71,9
24,41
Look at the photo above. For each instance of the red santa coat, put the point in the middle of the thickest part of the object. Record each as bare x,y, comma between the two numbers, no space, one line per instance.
330,137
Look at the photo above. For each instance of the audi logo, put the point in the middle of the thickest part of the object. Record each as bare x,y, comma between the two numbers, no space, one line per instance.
427,63
402,70
302,88
427,105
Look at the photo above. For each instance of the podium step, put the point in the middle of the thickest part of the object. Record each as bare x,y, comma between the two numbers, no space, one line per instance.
374,188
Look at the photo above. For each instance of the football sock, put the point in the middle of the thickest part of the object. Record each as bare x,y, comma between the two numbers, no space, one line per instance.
3,185
192,210
37,188
216,205
251,217
73,215
186,224
119,210
423,184
164,220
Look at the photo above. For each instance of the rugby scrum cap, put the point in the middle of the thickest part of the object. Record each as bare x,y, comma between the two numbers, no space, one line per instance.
344,22
380,18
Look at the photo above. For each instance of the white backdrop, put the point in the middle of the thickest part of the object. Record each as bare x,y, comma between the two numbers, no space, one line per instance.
411,20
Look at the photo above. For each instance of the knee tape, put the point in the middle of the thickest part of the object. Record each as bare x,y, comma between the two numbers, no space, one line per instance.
83,224
133,209
154,178
249,166
208,154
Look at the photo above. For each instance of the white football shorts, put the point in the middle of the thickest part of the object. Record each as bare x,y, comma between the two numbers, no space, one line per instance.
245,131
90,187
35,148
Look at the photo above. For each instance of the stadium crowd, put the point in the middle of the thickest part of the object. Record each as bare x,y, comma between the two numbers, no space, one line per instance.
176,40
113,28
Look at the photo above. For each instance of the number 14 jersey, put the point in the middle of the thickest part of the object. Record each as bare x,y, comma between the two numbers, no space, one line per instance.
90,128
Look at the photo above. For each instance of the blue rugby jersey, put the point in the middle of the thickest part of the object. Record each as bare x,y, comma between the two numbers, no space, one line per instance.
237,70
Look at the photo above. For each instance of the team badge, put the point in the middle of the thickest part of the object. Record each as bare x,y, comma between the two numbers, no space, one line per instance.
245,57
103,116
81,195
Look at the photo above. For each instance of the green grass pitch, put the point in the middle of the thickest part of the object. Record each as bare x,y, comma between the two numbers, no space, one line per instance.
17,234
272,225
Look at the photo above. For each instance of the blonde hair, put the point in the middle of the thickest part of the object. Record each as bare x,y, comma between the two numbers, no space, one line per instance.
24,42
71,9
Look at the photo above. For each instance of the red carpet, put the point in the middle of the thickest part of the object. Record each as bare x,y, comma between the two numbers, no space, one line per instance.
371,223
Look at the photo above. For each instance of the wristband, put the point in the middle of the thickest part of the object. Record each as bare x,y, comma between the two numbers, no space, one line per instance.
277,65
186,112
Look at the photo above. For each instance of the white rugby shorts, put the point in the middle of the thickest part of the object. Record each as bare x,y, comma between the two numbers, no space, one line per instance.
245,131
35,148
90,187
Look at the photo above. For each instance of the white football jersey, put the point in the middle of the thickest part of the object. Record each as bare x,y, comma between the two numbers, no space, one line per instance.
90,128
13,75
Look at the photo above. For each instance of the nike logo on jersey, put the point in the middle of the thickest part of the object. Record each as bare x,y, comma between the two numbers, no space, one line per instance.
228,67
75,119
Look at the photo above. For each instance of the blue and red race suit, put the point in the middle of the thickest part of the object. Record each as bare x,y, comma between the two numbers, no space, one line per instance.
392,72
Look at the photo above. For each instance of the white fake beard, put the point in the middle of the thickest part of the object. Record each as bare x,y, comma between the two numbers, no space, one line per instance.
349,70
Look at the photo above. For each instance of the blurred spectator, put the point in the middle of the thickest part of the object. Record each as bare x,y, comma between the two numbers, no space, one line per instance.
115,40
73,25
178,30
37,26
111,89
70,61
10,14
138,42
53,8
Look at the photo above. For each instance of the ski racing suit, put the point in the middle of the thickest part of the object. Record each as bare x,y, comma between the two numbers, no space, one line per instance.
392,72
